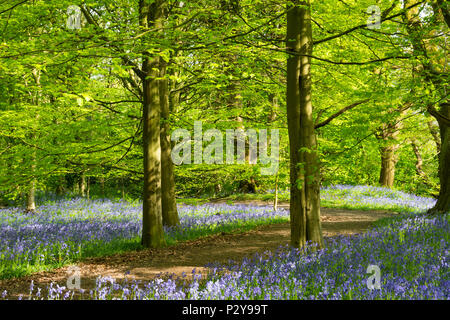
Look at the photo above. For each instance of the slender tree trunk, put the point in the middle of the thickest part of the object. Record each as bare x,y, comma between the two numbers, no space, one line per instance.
419,165
271,118
275,201
102,186
88,188
122,184
174,94
76,187
388,140
168,200
419,161
31,205
60,189
150,15
274,106
82,184
233,89
234,103
388,162
435,134
304,165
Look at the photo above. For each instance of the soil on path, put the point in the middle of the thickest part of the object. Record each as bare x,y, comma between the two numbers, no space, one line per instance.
184,257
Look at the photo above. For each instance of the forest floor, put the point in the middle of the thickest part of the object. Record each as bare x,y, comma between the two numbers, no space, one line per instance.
184,257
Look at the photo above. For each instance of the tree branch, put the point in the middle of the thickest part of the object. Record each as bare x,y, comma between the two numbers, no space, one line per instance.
103,166
14,6
439,117
444,10
337,114
293,53
125,60
105,104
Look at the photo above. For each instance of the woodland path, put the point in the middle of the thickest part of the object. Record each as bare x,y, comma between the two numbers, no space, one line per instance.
184,257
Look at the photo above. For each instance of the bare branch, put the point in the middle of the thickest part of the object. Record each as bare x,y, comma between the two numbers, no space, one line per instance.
337,114
14,6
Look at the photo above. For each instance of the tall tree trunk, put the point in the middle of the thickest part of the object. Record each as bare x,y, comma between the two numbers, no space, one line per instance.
271,118
437,79
31,204
150,15
304,164
168,200
443,202
297,215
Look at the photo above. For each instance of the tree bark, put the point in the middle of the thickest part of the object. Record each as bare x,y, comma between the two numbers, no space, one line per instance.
435,133
437,79
31,204
419,161
150,15
388,140
102,185
61,187
168,200
419,164
122,185
274,106
82,184
304,164
88,188
443,202
388,161
275,200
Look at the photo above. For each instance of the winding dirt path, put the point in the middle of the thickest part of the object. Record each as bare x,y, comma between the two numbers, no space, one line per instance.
184,257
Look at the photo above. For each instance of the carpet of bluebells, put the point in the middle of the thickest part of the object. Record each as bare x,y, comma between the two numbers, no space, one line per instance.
373,198
65,231
411,251
367,198
412,254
